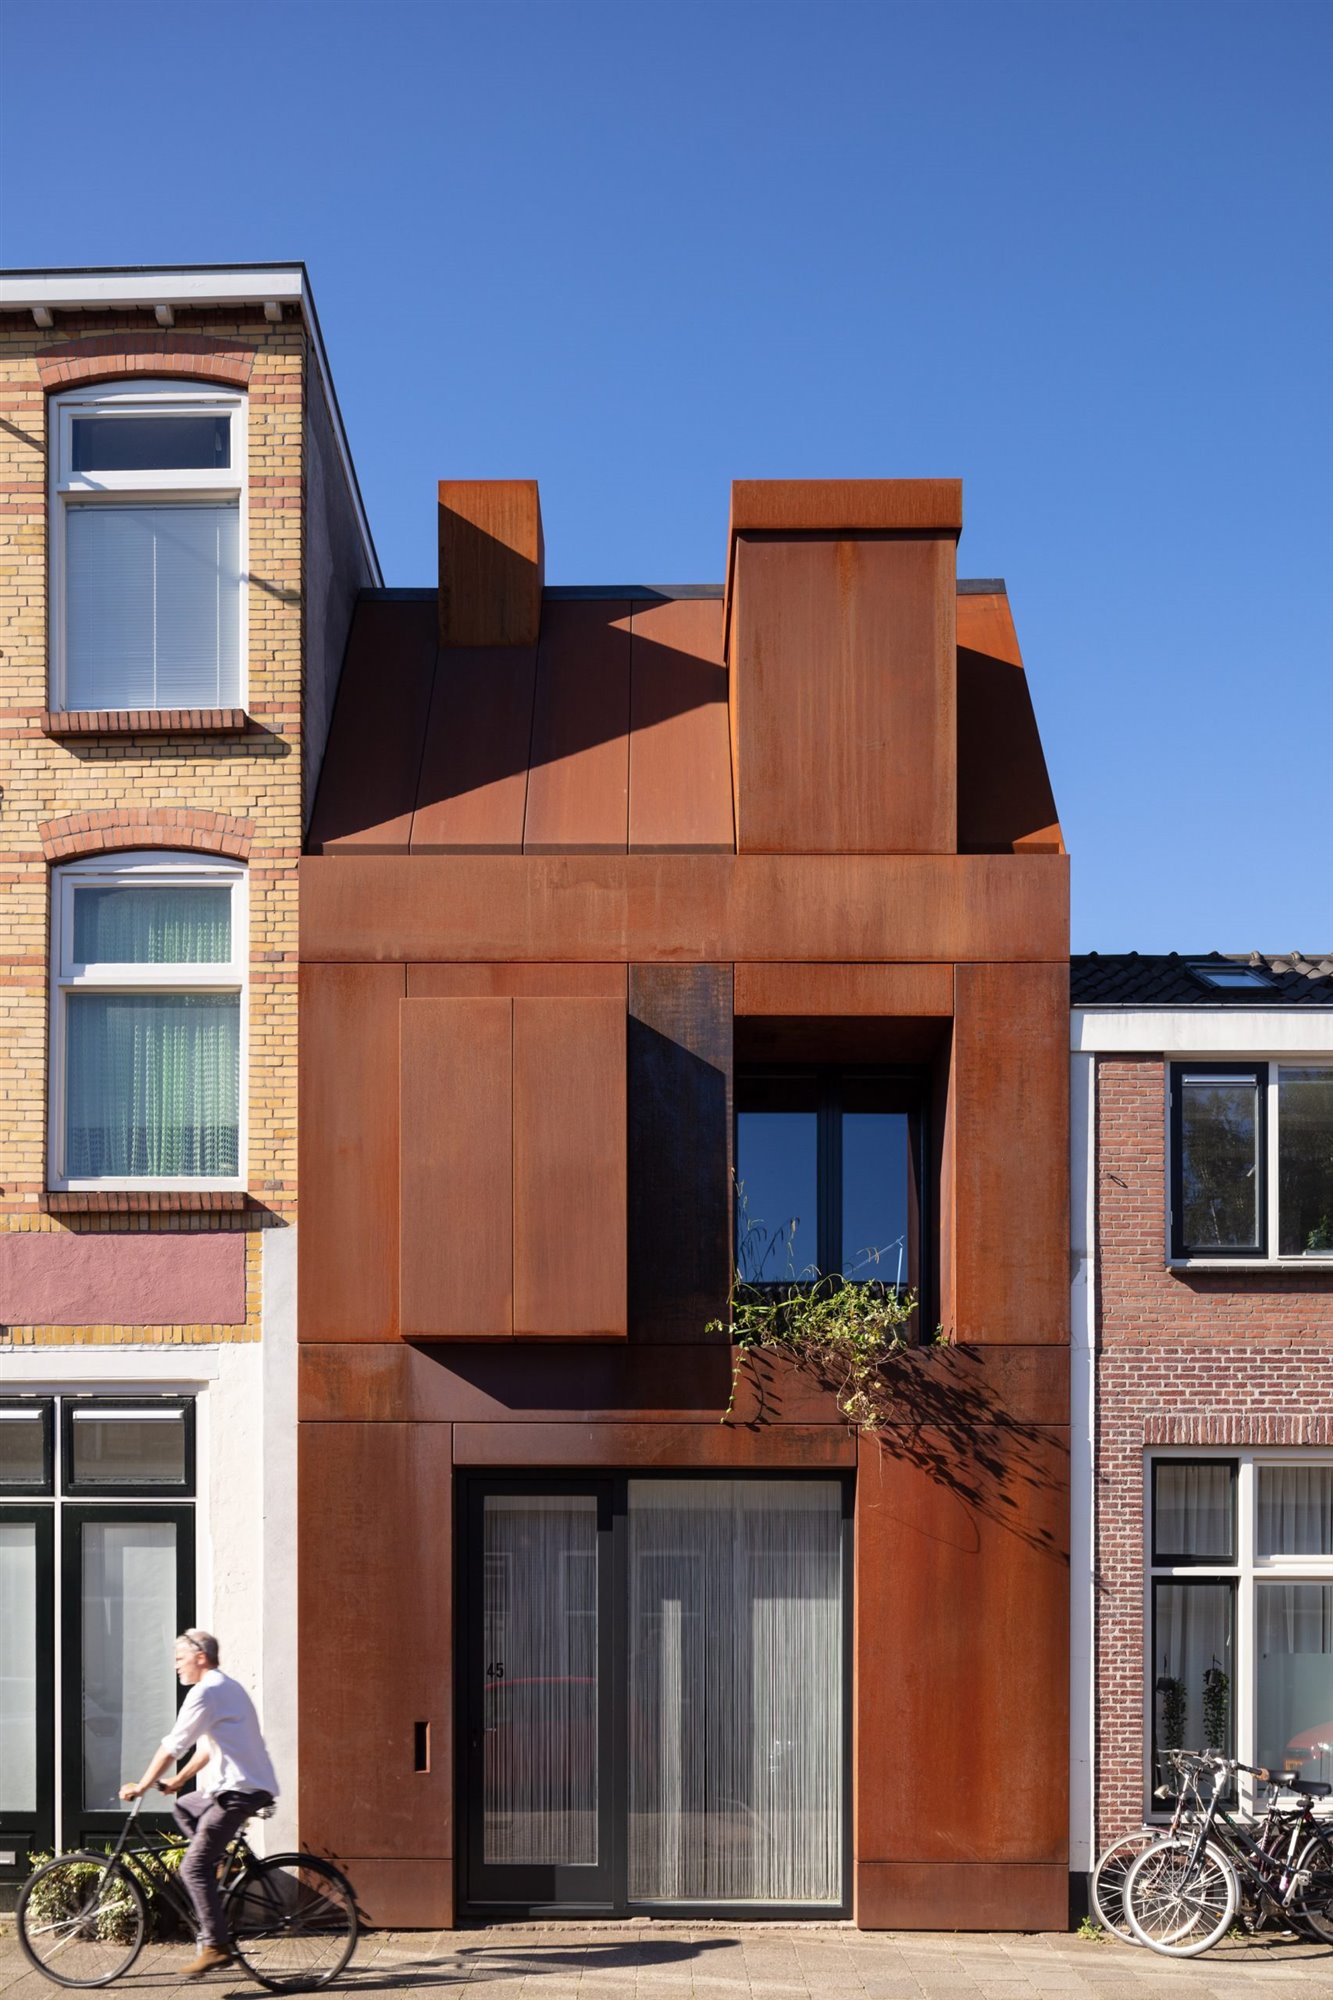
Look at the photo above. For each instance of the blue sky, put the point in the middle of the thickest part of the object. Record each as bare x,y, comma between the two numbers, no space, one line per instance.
1078,254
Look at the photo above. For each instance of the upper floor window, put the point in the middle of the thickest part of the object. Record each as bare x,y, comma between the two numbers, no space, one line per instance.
147,1022
1252,1159
147,537
828,1169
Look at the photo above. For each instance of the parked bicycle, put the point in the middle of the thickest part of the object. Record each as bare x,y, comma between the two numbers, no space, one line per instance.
1183,1891
83,1917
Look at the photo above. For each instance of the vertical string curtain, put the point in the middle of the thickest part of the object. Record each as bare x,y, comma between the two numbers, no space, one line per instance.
152,606
540,1642
152,1080
735,1690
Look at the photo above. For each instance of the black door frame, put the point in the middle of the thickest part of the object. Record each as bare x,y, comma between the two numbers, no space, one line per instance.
574,1892
80,1826
25,1833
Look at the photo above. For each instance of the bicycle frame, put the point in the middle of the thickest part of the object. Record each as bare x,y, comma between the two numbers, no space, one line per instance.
157,1880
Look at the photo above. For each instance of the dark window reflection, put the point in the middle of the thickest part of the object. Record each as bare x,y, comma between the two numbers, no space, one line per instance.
828,1169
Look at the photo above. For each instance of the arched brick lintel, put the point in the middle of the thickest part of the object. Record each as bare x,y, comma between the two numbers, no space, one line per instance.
105,357
77,835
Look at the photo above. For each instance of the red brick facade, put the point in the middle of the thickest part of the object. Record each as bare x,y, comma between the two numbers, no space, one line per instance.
1214,1358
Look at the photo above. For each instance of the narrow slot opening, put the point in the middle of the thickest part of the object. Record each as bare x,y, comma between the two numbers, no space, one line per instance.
421,1746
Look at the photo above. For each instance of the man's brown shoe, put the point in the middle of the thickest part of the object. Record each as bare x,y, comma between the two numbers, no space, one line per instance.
210,1955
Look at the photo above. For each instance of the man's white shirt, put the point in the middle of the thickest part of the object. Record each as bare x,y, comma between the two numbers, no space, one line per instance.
219,1714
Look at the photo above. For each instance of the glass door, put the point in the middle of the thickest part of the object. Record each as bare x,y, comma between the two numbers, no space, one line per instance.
26,1817
538,1760
128,1589
655,1708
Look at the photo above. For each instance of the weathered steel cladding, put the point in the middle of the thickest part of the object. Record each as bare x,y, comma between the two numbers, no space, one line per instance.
617,735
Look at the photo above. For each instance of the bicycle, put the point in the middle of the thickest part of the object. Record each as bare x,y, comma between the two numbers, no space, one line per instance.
1183,1892
82,1918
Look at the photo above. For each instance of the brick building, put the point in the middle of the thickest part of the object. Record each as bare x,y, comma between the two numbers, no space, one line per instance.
1202,1203
181,547
612,890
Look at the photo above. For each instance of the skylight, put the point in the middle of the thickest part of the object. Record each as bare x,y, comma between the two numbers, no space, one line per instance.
1229,978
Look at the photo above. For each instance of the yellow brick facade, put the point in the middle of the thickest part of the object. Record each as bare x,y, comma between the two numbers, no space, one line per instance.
256,776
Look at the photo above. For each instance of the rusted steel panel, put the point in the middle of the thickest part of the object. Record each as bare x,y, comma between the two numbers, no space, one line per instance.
569,1169
461,982
578,786
806,991
680,1149
679,746
472,790
961,1896
670,1383
456,1255
1005,801
368,781
962,1640
685,908
347,1245
846,506
402,1895
845,659
374,1577
492,562
654,1447
1009,1172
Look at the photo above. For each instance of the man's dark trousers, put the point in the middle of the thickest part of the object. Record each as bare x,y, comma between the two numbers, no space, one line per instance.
210,1819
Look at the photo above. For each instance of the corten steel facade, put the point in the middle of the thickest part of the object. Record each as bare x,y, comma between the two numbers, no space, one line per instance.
578,859
177,1298
1187,1358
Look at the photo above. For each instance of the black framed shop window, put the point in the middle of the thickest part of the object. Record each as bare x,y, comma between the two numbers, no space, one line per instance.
127,1448
26,1441
27,1686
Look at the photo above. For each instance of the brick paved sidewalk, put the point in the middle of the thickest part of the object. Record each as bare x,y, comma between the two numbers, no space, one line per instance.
664,1961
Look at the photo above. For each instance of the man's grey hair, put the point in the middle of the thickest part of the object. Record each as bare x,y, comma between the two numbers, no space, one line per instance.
203,1642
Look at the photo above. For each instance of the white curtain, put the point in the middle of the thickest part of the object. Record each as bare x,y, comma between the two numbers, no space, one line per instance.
1192,1628
1296,1510
735,1690
152,606
18,1666
152,1084
540,1624
1294,1642
129,1625
1194,1512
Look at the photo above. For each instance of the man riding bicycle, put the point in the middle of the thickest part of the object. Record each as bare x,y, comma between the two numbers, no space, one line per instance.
235,1780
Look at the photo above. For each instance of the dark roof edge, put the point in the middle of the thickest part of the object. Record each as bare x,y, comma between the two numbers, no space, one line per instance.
982,586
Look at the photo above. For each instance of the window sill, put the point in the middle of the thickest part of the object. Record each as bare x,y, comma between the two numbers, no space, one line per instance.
144,1201
69,722
1239,1265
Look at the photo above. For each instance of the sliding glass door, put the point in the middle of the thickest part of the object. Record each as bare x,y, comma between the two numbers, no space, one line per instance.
656,1695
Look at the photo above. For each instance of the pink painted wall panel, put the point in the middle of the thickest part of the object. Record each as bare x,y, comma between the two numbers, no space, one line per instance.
63,1279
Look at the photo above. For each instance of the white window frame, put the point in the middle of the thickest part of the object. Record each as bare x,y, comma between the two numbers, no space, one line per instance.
1246,1573
1240,1260
145,869
138,397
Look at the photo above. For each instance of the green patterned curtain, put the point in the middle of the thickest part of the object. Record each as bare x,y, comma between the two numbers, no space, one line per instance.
152,1084
158,926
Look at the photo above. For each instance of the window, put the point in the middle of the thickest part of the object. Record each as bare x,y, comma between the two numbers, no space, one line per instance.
1252,1159
828,1171
147,541
1241,1609
75,1473
147,1026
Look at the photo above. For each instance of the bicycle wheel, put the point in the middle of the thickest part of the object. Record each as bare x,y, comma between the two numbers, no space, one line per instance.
1179,1902
1107,1889
293,1922
1309,1901
80,1921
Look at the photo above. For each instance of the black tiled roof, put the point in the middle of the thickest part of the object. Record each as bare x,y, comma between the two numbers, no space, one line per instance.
1165,979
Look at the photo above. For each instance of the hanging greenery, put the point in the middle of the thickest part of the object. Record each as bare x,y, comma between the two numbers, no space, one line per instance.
1216,1706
